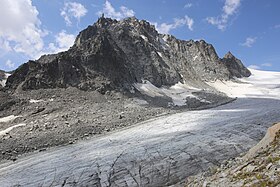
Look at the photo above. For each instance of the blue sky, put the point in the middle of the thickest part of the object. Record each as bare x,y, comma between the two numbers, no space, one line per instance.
250,29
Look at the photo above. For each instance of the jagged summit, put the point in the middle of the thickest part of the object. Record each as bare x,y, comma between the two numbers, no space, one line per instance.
235,66
229,55
113,54
131,24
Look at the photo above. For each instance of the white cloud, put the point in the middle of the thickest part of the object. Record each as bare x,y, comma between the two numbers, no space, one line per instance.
4,46
165,28
109,11
188,5
230,8
189,22
127,12
254,67
266,64
20,28
10,64
72,10
276,26
63,42
249,42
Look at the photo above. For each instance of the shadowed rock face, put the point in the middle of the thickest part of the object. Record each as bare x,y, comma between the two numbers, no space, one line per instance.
114,54
2,74
235,66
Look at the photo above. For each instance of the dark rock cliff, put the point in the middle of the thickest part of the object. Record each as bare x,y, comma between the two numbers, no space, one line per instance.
113,54
235,66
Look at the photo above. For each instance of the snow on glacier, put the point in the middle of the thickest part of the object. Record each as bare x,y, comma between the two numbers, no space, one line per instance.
178,92
261,84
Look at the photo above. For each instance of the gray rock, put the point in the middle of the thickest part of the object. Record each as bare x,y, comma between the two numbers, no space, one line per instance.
113,54
235,66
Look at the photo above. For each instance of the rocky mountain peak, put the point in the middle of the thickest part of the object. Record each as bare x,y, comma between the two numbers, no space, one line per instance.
112,54
235,66
103,22
229,55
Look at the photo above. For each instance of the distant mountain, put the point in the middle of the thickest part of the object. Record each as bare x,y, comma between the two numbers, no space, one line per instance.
2,74
113,54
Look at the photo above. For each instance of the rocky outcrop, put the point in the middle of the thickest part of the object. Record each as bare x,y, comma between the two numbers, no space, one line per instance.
113,54
235,66
259,167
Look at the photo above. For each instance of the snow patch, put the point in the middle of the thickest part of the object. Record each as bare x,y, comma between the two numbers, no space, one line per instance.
160,54
195,57
3,82
165,38
163,42
40,100
35,101
178,92
261,84
144,37
8,118
3,132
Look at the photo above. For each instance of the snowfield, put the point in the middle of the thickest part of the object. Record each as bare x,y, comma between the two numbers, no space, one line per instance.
261,84
178,92
3,82
161,151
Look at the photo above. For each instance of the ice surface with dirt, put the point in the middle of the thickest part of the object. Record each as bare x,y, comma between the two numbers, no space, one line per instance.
162,151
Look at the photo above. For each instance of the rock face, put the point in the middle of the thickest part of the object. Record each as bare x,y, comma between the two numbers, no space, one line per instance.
235,66
113,54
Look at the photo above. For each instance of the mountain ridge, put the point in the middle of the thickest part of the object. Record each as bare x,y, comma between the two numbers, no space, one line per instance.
113,54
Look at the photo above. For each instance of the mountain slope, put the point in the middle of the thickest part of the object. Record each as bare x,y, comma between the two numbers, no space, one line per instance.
113,54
